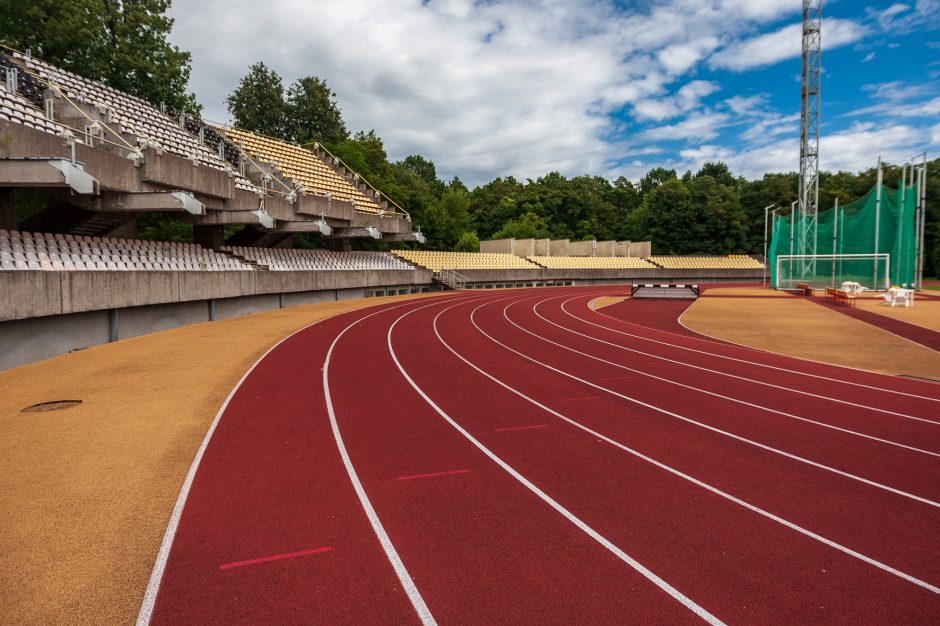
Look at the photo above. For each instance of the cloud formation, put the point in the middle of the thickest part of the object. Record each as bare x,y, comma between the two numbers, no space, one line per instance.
519,87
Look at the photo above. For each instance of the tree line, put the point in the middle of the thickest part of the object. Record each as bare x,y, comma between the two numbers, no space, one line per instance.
710,211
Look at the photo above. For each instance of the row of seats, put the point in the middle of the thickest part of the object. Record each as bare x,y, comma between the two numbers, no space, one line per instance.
134,115
731,262
43,251
15,108
301,166
436,260
590,262
289,259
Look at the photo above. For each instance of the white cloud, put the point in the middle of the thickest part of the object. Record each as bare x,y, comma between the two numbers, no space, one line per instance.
869,57
929,108
690,94
898,99
783,44
698,126
686,99
516,87
750,105
902,18
679,57
838,151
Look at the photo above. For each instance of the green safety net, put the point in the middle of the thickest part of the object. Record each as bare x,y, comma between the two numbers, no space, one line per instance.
852,231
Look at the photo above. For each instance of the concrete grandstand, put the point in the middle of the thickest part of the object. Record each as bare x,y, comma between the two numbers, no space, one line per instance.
76,275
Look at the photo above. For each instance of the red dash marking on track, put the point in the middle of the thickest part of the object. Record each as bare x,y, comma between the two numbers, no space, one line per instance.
432,475
502,430
577,398
276,557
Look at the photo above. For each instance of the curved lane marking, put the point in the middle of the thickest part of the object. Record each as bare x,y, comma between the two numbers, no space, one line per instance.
747,505
762,446
755,363
623,556
759,407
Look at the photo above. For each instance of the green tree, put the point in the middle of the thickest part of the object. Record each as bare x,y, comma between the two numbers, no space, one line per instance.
258,104
492,204
720,224
654,178
122,43
456,202
468,242
669,218
528,226
312,113
717,171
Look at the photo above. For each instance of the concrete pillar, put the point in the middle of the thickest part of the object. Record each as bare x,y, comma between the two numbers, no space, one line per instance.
340,244
210,237
8,219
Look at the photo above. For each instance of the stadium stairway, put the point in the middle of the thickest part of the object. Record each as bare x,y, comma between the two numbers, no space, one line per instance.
257,265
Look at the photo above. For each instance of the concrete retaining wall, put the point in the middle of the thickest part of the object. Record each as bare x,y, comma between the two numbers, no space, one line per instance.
44,314
27,339
497,246
25,294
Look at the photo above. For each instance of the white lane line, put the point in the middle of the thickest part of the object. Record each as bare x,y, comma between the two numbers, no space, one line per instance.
684,476
623,556
754,363
156,575
424,613
159,566
699,389
700,424
758,382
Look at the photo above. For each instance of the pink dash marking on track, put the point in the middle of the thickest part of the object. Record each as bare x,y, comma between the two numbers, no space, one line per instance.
503,430
433,474
576,398
276,557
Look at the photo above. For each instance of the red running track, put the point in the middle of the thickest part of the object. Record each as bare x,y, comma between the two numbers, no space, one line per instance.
516,457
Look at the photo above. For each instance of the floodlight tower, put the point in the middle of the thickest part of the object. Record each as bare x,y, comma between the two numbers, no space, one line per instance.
809,131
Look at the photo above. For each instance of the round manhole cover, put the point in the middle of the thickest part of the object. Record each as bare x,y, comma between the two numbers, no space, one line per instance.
55,405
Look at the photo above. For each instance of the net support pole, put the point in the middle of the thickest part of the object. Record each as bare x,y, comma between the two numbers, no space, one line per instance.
792,222
902,212
923,219
764,279
835,238
877,218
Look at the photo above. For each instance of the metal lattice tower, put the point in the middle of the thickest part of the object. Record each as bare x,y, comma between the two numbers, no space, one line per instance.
809,128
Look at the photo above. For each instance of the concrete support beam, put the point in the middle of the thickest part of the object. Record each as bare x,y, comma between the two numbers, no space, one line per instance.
8,219
211,237
313,205
226,217
47,173
169,201
313,226
340,245
419,237
366,231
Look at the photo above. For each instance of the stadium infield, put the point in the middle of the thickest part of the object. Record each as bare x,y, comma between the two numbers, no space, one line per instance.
625,472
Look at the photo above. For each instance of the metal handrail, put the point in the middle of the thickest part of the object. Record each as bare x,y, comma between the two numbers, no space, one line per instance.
451,278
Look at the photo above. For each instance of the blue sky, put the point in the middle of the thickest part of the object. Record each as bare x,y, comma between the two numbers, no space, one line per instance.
499,87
